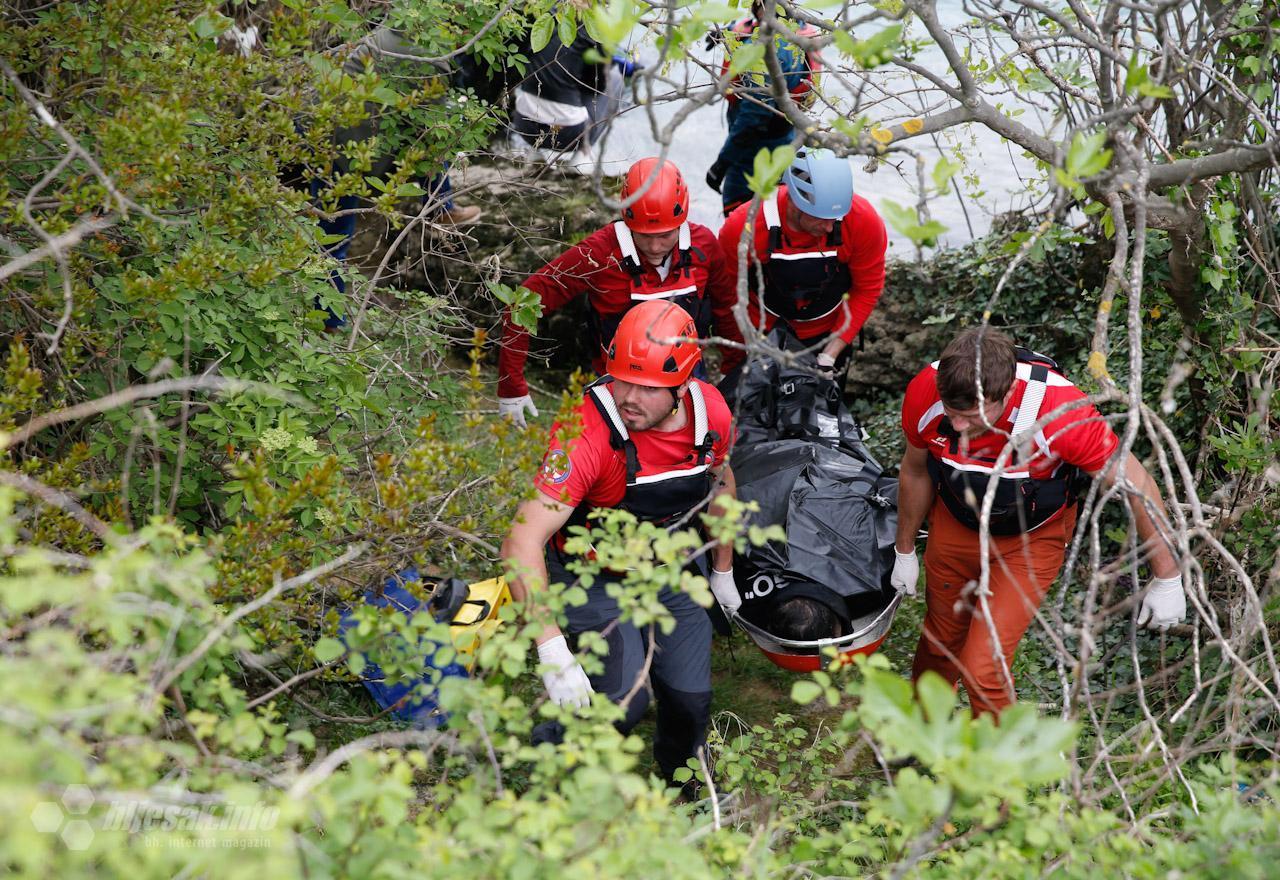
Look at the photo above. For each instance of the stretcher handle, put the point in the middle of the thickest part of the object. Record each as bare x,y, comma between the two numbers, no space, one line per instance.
485,608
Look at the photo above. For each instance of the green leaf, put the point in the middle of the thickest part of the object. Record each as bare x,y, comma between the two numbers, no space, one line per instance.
844,42
211,24
327,650
1085,158
877,49
769,166
805,692
850,128
384,96
1137,78
567,26
748,56
609,24
906,222
540,33
943,171
304,738
936,697
1135,75
525,305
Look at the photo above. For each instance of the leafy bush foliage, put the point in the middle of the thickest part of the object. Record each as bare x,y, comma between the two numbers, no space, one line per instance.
195,480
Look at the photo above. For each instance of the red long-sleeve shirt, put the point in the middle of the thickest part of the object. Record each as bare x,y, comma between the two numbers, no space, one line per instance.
594,267
863,242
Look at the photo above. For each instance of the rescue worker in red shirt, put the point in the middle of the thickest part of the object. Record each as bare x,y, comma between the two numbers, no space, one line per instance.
654,441
652,253
954,441
818,258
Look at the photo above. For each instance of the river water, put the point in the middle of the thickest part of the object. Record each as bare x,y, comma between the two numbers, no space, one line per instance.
998,173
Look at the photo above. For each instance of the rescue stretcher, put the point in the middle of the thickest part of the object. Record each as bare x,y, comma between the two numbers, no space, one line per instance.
800,456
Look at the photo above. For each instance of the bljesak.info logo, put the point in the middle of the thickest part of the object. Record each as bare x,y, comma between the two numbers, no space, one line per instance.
80,816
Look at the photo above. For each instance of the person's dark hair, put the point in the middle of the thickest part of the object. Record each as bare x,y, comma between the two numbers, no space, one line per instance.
958,367
804,620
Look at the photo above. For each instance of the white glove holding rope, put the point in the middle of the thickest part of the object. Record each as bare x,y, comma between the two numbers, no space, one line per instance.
725,591
566,683
514,408
906,572
826,366
1164,604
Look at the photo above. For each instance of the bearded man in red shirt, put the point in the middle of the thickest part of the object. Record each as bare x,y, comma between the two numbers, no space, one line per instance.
654,441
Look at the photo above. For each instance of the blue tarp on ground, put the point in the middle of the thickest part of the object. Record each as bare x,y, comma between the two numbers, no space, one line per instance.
414,699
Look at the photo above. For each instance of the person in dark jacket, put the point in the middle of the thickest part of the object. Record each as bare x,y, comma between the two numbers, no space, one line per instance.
552,107
383,47
755,122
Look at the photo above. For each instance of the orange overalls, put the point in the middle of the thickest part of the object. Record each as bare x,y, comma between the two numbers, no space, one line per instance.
957,640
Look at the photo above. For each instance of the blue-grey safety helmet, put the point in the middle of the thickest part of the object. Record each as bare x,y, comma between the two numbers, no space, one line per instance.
820,183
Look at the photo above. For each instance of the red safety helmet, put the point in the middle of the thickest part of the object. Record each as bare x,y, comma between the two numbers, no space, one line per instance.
656,344
664,205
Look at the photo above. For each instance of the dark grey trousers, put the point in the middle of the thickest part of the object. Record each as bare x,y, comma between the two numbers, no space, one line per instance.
679,675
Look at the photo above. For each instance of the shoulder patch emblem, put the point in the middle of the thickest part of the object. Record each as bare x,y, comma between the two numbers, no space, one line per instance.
556,467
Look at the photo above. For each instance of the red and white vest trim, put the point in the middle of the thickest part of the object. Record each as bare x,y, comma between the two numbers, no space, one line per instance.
668,289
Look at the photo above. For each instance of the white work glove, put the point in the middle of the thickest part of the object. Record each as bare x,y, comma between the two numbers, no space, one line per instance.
725,591
1164,605
827,365
906,571
514,408
567,684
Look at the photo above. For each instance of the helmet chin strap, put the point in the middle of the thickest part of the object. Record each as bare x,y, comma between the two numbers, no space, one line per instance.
676,398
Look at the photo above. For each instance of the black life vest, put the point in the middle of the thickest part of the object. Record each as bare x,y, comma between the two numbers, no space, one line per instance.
680,286
801,285
665,497
1021,504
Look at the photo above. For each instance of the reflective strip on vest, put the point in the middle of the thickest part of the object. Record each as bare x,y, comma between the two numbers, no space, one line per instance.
699,414
770,209
605,397
809,255
669,475
929,415
664,294
972,468
814,318
1029,408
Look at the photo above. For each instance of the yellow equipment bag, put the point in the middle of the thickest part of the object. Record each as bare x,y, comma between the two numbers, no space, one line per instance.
477,617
